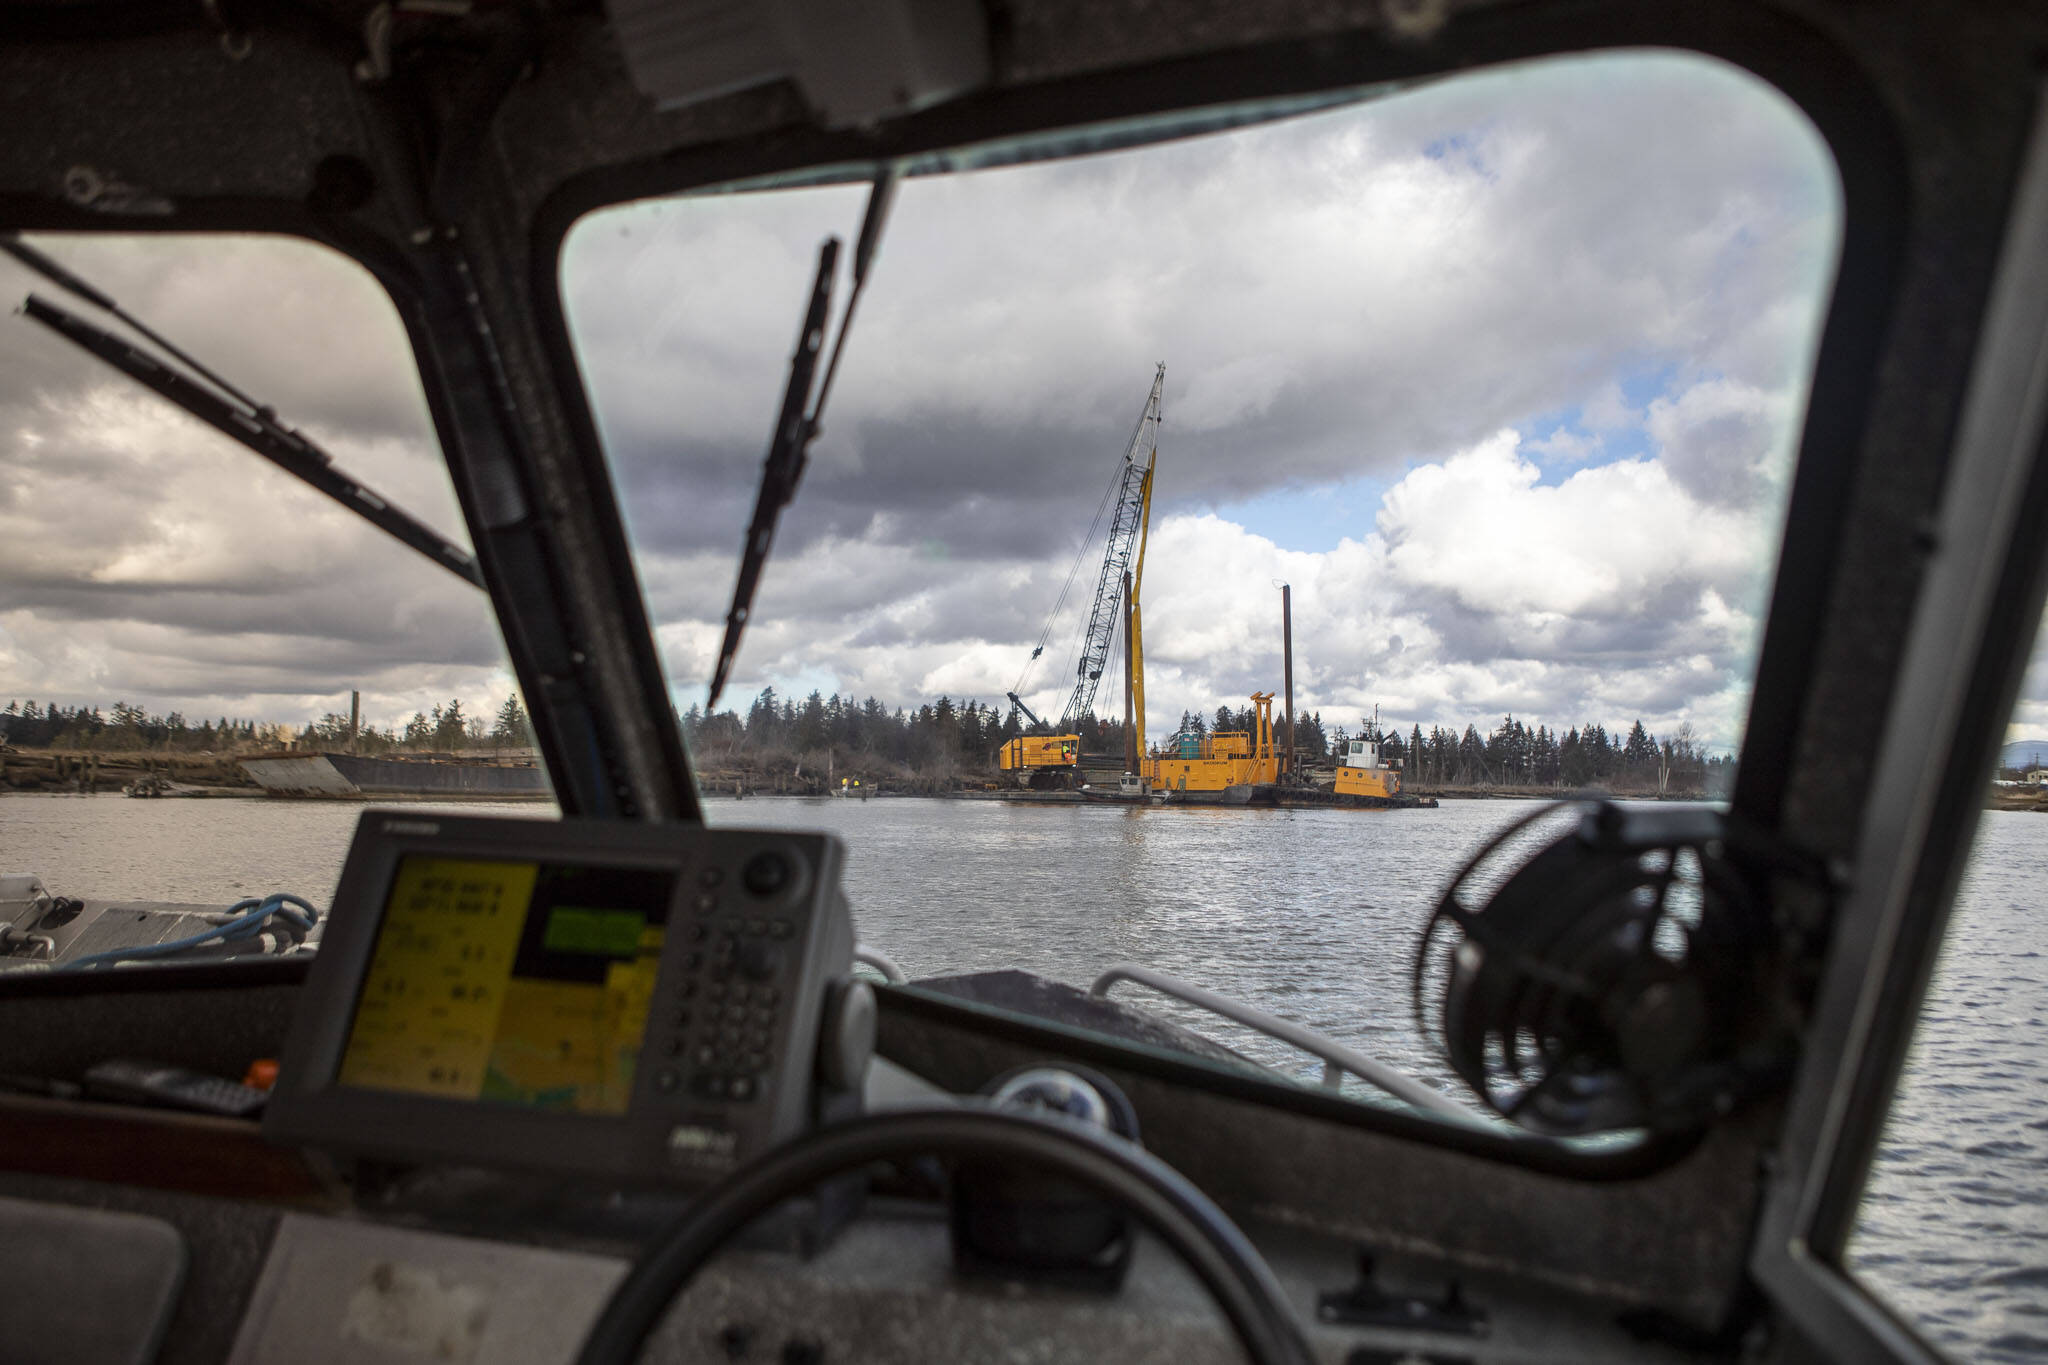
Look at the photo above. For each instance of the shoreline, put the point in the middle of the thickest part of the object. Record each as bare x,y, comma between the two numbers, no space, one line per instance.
220,777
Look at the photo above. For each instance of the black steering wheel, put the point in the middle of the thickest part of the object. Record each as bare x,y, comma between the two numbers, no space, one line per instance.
1153,1192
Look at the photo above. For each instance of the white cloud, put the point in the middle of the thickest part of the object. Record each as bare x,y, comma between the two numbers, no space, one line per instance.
1479,592
2030,712
1728,442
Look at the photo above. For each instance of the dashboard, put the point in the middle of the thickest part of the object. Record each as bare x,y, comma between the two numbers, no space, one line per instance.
516,1066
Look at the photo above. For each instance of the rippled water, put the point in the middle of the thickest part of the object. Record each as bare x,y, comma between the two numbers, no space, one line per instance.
1311,915
1954,1229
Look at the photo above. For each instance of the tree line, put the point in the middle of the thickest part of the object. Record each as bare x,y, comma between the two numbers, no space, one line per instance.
951,737
938,739
446,728
1515,755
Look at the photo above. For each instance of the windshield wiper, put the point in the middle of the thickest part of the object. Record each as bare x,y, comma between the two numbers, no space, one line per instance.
789,447
228,410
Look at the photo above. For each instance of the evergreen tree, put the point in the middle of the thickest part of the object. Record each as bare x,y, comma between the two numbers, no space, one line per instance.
511,726
1471,756
1639,751
451,726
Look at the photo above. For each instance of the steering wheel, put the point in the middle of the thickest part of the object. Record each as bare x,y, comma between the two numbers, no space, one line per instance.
1154,1193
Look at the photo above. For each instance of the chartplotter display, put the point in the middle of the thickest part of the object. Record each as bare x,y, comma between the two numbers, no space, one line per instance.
523,983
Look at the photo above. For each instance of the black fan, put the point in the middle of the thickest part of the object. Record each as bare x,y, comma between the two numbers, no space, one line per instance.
1618,979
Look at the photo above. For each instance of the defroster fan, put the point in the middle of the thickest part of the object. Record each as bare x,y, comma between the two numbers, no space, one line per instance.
1627,976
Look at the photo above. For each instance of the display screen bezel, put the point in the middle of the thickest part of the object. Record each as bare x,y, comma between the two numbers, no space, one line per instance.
311,1107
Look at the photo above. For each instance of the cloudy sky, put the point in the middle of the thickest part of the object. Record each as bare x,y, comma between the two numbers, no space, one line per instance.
1503,376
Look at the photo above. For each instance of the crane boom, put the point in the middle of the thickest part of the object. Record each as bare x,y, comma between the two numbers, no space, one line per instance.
1132,506
1029,714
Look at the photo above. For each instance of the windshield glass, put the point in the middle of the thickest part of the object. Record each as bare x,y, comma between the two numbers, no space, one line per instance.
1501,378
181,618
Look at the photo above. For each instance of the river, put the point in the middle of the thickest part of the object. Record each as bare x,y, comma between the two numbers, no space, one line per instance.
1310,914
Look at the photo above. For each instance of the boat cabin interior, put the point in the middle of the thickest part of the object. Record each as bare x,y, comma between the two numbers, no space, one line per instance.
781,1150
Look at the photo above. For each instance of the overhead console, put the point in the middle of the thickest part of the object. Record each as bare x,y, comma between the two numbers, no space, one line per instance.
639,1003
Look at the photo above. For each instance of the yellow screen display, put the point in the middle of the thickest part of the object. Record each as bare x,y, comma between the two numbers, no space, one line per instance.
515,982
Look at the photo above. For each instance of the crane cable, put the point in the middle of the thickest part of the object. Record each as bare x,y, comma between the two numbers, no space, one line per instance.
1116,477
1087,542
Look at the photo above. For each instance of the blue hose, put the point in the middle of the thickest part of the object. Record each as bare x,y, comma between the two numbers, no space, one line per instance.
251,917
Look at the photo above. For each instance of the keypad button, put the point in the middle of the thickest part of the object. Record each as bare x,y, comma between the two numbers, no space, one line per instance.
683,1017
741,1087
706,904
705,1054
780,928
760,961
764,1017
686,989
711,878
694,933
672,1048
665,1081
766,873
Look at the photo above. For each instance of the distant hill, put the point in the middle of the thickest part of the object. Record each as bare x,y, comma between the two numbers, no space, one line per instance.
2024,753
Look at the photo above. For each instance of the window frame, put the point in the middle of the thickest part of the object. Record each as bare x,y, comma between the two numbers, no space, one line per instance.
1966,659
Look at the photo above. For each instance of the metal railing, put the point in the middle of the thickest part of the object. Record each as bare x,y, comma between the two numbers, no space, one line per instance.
881,962
1336,1058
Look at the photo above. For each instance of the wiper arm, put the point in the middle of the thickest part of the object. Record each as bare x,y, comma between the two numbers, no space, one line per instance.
789,448
69,281
248,422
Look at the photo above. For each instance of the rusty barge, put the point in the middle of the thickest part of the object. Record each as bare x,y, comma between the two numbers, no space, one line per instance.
353,777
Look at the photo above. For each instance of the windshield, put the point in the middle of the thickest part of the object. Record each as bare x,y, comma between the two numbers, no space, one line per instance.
1453,427
180,618
1482,397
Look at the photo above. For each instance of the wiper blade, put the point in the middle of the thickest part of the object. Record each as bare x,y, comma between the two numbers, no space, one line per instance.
56,273
789,447
237,415
787,452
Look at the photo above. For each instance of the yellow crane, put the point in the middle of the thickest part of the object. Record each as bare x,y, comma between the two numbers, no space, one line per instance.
1189,762
1043,758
